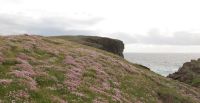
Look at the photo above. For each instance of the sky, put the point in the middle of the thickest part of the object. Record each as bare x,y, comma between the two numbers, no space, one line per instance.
143,25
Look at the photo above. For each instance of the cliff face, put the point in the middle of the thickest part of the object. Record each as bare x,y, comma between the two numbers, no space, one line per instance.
35,69
111,45
188,73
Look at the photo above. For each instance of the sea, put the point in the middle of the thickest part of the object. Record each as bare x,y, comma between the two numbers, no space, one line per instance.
161,63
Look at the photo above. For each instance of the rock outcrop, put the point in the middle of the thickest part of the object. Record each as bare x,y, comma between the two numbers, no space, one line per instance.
188,73
111,45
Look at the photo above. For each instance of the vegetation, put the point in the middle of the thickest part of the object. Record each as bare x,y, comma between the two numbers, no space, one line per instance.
38,69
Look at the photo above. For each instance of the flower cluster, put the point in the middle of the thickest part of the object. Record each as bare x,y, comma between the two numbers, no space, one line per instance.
25,71
58,100
23,56
18,95
71,61
100,100
73,78
5,81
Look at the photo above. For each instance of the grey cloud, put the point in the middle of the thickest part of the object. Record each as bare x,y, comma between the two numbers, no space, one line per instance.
178,38
125,37
157,38
13,24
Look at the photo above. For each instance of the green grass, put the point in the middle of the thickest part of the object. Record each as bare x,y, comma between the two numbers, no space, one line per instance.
64,93
41,96
168,95
45,81
58,74
37,53
52,41
3,70
10,61
5,66
11,87
196,81
90,73
136,87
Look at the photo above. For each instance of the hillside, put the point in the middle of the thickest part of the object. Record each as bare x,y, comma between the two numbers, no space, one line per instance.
36,69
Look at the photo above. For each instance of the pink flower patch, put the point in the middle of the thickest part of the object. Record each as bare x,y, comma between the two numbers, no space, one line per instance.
26,71
106,85
70,60
78,94
5,81
1,59
100,100
32,83
22,94
58,100
118,93
98,90
18,95
22,74
73,78
23,56
26,67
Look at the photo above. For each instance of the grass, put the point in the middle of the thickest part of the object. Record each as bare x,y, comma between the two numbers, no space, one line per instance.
10,61
139,88
14,86
168,95
58,74
90,73
5,67
45,81
41,96
196,81
52,41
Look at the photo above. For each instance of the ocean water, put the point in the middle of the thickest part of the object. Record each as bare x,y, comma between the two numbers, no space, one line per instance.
161,63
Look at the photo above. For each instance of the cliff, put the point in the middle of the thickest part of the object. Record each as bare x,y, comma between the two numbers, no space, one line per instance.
36,69
189,73
111,45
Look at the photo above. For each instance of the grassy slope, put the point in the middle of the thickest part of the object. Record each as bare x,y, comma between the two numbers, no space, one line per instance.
81,40
44,70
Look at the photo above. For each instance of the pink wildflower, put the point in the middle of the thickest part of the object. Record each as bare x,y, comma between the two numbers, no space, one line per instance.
74,78
20,94
1,59
23,56
27,73
5,81
22,74
106,85
118,93
58,100
78,94
26,67
70,60
32,83
99,100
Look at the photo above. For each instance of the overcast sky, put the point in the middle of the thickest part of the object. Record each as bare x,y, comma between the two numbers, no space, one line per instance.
143,25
